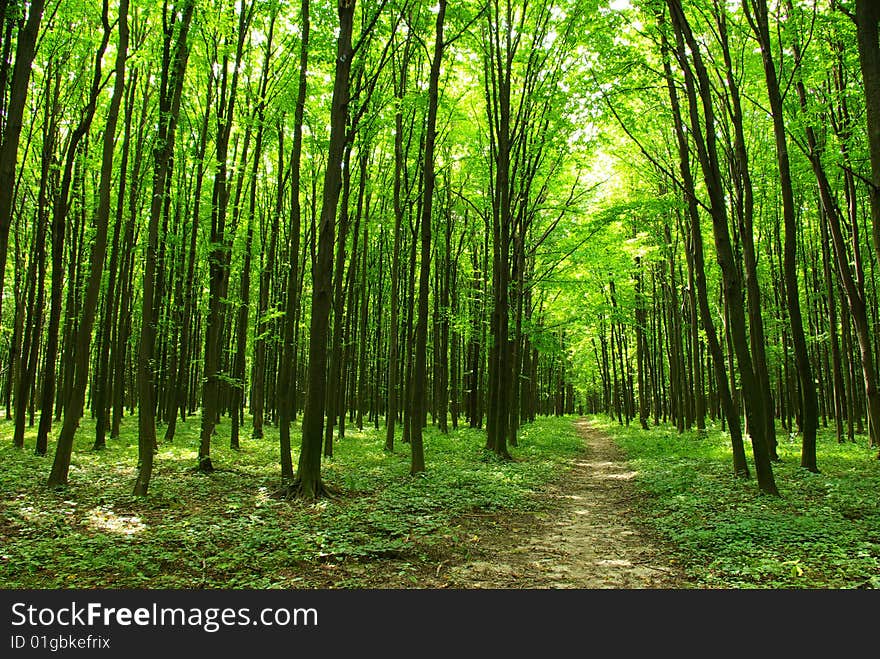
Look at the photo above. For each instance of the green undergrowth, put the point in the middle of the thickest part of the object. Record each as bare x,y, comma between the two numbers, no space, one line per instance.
228,530
822,532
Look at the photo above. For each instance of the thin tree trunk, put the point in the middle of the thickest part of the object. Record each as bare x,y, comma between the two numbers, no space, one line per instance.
867,17
758,17
60,212
100,398
706,148
393,396
73,409
287,376
14,115
34,326
174,69
417,455
744,208
309,484
219,256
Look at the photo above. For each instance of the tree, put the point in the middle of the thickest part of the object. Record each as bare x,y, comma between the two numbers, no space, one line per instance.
417,462
308,482
287,374
756,10
173,72
73,410
698,93
15,106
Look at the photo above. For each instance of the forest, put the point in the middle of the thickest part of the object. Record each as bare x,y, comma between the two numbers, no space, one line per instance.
331,293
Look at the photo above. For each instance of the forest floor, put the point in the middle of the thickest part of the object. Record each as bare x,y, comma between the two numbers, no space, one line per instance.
585,534
570,521
584,504
587,537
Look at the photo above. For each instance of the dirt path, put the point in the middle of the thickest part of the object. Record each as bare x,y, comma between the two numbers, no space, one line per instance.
588,538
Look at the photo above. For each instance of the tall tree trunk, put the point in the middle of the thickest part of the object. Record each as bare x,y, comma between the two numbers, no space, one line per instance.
361,370
744,210
417,455
758,17
73,409
839,392
218,260
868,36
309,484
180,394
238,373
34,326
100,398
641,357
174,68
287,380
338,314
393,396
708,157
498,99
61,208
14,116
239,370
262,326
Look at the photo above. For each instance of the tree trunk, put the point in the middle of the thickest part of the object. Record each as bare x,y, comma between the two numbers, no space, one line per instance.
174,69
18,88
309,484
743,204
808,404
730,277
287,380
417,455
393,396
73,409
218,261
338,314
867,17
34,326
60,210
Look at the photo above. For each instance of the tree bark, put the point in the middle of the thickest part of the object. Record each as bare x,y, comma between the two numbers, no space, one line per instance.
417,455
758,17
73,409
708,157
309,484
175,68
18,88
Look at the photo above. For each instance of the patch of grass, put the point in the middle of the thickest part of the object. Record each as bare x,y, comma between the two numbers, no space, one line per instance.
226,530
822,532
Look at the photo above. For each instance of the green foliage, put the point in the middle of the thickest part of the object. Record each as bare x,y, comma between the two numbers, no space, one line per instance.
823,532
227,530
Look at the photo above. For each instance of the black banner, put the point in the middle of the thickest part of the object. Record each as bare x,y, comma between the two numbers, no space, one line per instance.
120,623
